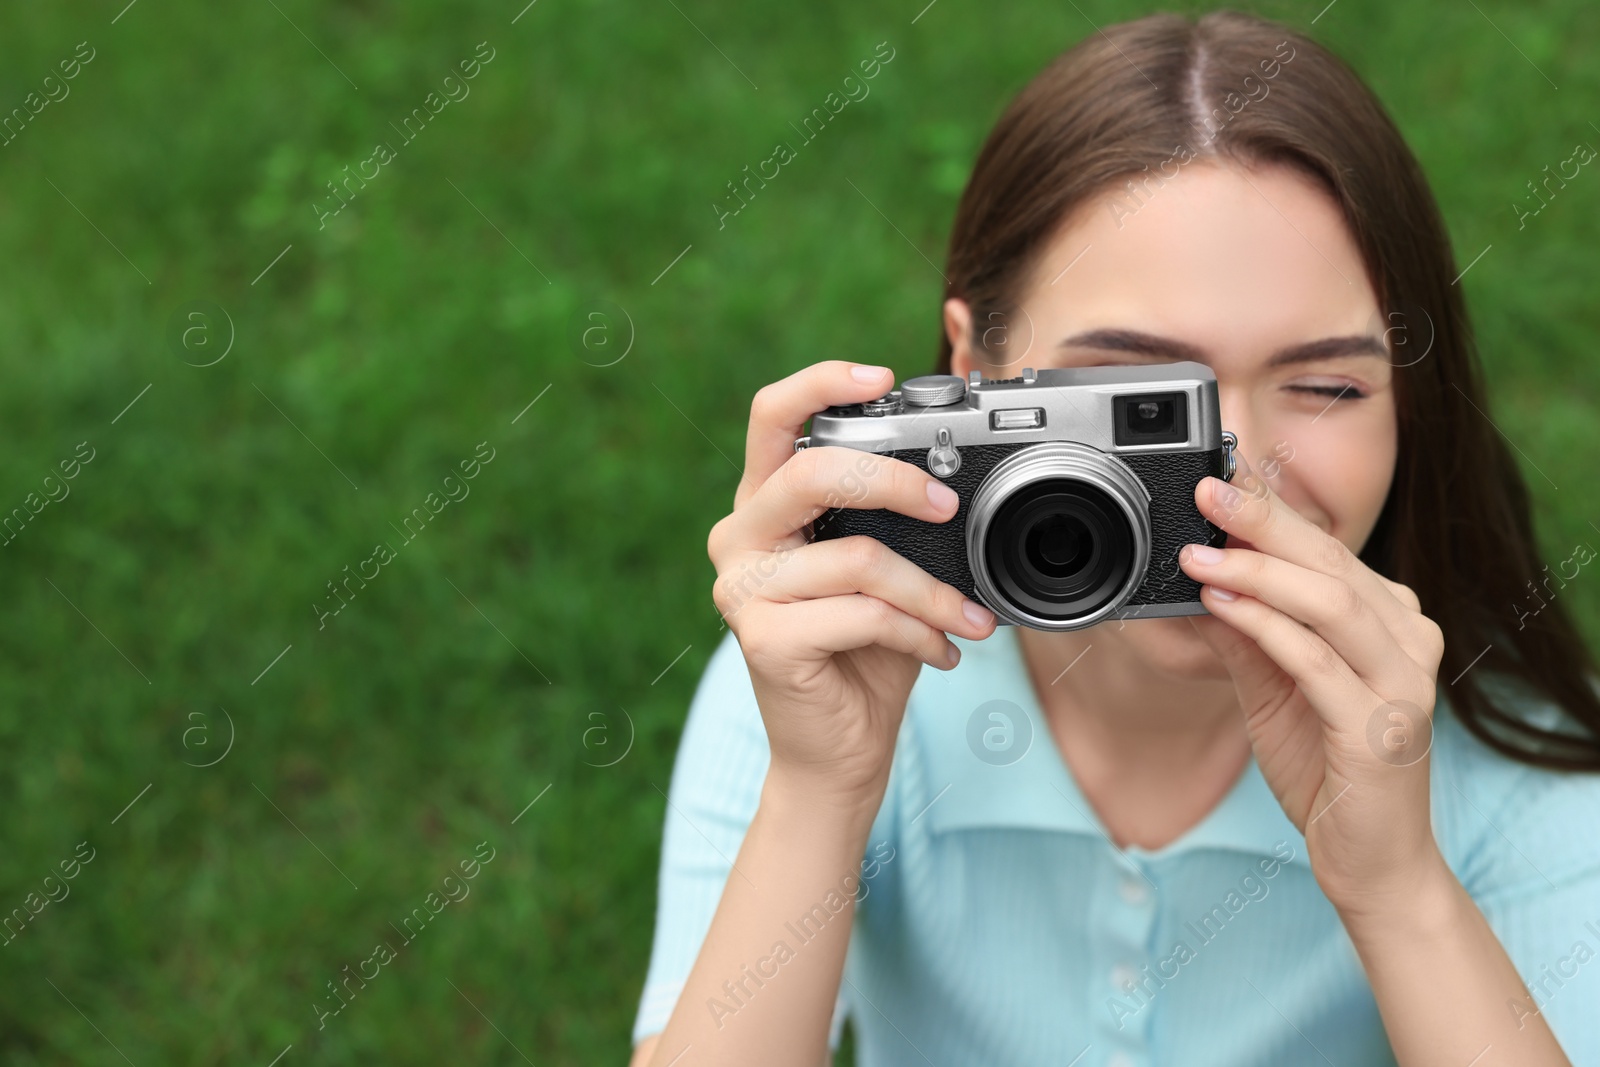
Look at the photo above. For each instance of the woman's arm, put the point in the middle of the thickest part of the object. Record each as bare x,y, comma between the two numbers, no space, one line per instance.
1446,988
644,1051
1336,668
763,987
834,633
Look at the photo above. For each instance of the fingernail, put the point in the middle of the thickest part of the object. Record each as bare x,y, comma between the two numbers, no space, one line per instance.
942,496
1221,593
1203,554
976,614
863,373
954,655
1227,495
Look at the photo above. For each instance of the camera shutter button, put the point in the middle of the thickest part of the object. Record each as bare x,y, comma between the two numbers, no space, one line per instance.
943,459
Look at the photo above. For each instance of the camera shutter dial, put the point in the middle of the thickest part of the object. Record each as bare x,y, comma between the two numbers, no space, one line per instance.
933,390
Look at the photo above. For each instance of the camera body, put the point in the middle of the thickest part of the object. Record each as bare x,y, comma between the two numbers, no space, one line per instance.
1076,486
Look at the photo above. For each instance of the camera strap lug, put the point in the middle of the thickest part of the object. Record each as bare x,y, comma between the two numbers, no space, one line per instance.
943,459
1230,444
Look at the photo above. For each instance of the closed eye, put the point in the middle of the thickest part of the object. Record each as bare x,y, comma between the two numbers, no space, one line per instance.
1333,392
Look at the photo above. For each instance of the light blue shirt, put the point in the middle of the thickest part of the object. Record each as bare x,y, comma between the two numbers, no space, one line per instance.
998,925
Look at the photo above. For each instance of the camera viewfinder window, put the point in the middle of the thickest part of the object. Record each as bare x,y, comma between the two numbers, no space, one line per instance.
1151,419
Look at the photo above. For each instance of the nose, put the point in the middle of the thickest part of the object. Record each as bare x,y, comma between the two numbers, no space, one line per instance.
1239,419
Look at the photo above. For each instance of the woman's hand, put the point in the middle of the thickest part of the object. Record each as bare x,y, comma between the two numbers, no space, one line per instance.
835,632
1335,668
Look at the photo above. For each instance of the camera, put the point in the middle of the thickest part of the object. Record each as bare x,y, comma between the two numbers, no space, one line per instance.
1076,486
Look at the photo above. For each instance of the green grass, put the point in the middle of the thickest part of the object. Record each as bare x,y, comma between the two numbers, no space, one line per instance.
418,324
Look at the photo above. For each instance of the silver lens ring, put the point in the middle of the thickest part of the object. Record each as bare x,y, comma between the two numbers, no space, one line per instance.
1049,461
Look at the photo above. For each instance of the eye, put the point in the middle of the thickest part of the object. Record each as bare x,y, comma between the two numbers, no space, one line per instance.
1347,391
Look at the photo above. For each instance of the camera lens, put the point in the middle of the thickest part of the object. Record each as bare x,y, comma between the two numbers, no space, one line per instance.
1059,545
1058,536
1059,549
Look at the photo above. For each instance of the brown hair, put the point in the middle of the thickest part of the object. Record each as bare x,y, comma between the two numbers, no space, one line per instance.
1136,100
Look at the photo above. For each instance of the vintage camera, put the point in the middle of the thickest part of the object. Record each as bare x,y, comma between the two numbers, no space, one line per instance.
1076,486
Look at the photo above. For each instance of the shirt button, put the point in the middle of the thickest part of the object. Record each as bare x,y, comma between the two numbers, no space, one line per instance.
1122,976
1133,889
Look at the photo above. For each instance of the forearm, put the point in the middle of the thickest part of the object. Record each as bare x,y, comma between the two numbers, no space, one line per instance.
1448,993
763,987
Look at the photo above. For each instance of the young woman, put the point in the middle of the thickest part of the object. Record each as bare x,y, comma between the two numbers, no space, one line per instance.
1347,817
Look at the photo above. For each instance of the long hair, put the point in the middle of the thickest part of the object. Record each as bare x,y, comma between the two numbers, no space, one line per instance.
1127,106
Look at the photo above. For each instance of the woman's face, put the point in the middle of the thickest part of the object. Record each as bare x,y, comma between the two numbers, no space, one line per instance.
1253,273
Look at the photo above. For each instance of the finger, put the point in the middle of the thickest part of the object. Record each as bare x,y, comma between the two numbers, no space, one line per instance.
1403,593
1329,684
815,479
779,412
857,564
1335,609
856,620
1257,679
1249,510
1422,637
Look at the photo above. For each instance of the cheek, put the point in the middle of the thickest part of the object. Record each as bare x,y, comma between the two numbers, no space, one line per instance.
1336,471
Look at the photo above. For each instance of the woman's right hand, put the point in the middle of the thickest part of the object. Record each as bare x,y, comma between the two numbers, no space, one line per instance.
834,632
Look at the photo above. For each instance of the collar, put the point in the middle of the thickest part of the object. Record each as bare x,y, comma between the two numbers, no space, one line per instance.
987,705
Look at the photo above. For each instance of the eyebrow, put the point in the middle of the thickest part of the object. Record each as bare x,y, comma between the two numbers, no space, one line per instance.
1165,347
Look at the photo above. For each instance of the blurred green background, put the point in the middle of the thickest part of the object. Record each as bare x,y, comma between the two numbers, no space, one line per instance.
562,610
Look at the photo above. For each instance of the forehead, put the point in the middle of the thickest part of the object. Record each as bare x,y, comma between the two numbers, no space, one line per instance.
1237,261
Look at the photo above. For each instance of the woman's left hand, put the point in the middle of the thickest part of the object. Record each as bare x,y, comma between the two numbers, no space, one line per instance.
1335,668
